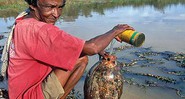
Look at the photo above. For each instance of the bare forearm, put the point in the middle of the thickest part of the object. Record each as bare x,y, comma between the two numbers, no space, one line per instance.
99,43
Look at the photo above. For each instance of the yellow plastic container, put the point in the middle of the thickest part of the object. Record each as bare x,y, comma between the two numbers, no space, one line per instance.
132,37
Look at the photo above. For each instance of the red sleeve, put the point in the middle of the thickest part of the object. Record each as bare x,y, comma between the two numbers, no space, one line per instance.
57,48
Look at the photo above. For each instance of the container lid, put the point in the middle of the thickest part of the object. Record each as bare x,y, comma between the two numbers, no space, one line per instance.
139,40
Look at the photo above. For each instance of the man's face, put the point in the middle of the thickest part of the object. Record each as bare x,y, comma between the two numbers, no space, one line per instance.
49,11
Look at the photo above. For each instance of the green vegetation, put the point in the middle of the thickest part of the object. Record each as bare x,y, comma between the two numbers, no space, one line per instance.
11,7
73,8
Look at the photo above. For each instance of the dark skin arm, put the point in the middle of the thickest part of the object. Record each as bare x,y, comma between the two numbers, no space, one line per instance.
98,44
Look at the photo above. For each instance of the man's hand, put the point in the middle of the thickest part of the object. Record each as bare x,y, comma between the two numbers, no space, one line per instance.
120,28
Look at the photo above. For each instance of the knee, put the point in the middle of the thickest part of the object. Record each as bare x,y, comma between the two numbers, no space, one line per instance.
85,60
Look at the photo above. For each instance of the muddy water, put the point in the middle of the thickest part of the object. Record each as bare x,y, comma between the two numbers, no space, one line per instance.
158,74
164,30
156,70
155,73
148,74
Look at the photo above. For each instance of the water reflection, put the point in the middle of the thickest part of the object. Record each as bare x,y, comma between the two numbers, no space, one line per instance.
76,8
164,27
100,7
163,30
162,21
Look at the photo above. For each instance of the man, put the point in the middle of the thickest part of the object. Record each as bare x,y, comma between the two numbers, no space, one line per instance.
44,61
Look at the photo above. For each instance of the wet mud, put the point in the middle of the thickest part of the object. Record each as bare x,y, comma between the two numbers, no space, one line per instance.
144,67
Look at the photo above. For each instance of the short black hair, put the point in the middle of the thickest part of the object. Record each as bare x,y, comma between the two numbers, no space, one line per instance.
34,2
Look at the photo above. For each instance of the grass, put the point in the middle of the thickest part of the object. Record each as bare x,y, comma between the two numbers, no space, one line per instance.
9,8
13,7
11,4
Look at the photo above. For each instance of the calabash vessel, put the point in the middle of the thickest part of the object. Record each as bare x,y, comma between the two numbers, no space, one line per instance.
104,80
